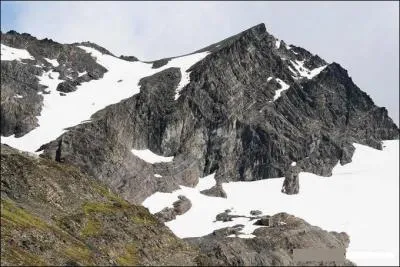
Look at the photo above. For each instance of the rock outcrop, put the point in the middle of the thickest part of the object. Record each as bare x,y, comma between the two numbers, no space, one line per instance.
215,191
181,206
273,245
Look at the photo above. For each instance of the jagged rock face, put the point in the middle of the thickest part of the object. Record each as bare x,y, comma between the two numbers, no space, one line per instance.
272,246
52,214
228,120
18,114
102,146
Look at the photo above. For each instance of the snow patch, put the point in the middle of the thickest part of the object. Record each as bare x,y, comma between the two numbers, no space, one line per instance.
293,164
53,62
206,182
278,43
82,73
284,87
305,72
150,157
269,78
184,64
10,53
18,96
157,175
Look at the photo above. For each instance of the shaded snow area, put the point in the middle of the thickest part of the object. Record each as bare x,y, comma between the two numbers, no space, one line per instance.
60,112
150,157
11,53
303,71
284,87
360,198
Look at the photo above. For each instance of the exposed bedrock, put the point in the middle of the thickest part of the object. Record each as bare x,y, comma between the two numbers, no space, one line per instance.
273,245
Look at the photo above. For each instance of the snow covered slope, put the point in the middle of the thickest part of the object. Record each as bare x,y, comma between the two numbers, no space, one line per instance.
361,198
60,112
11,53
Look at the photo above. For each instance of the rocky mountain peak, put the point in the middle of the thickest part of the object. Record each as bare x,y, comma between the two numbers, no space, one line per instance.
246,109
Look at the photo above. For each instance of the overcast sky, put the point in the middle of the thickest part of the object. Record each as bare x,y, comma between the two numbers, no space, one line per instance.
362,36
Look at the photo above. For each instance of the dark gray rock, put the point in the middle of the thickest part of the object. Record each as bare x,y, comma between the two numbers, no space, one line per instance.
129,58
67,86
161,62
347,154
264,221
224,232
215,191
255,212
291,183
224,217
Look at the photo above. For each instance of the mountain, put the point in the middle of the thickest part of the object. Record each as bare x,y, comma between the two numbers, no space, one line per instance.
244,108
247,108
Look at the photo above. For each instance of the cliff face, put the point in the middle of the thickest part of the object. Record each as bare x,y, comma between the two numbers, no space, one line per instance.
252,107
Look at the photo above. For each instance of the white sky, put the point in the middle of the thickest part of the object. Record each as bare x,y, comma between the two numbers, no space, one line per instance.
362,36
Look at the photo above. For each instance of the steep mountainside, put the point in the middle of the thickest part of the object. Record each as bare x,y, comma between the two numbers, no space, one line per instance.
250,107
52,214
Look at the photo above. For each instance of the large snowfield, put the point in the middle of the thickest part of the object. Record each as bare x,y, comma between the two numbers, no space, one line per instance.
360,198
119,82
